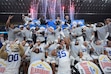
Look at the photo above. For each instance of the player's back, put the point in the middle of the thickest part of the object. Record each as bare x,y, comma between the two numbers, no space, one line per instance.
63,55
64,62
13,61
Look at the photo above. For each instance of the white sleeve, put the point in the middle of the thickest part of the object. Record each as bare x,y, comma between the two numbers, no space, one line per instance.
94,28
107,34
62,33
43,57
27,51
92,37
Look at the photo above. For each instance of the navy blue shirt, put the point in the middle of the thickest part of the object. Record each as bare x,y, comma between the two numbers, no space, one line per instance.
1,44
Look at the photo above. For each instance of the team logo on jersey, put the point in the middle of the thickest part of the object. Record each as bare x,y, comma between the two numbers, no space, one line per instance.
2,66
39,67
87,67
105,64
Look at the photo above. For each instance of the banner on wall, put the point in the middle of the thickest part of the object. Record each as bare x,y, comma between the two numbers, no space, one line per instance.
2,66
87,67
105,64
39,67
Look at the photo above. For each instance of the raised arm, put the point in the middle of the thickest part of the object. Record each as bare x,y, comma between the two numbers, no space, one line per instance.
8,21
3,53
21,50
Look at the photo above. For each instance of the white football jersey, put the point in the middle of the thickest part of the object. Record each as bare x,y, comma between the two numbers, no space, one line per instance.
63,55
64,62
41,47
13,62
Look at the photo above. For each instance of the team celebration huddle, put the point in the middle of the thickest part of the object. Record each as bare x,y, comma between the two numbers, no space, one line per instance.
73,49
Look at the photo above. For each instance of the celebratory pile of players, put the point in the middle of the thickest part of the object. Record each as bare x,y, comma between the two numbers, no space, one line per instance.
61,46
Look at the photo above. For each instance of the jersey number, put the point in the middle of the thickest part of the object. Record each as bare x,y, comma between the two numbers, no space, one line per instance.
13,57
61,54
110,53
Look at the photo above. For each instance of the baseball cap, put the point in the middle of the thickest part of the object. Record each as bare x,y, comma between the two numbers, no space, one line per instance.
21,26
29,39
38,40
